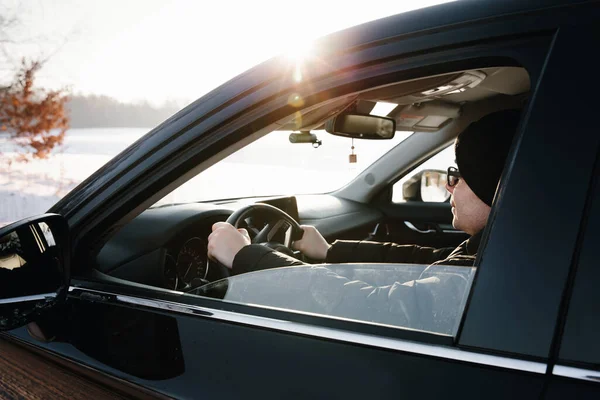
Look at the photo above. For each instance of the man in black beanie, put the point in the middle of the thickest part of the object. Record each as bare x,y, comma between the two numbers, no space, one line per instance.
480,150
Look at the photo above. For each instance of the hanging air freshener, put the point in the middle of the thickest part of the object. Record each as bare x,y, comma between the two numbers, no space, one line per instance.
352,155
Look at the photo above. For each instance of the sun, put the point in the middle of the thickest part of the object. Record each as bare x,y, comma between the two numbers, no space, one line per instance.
299,51
298,54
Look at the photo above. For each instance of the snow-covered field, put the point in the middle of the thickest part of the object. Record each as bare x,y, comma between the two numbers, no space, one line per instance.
30,188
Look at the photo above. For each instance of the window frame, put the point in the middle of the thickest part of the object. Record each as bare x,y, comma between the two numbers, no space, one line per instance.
465,57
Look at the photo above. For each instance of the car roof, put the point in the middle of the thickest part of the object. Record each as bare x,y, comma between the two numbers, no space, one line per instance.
434,17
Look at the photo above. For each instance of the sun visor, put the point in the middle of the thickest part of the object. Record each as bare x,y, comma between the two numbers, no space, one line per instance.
425,117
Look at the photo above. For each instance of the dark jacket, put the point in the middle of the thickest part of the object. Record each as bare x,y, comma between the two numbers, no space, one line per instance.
257,257
433,302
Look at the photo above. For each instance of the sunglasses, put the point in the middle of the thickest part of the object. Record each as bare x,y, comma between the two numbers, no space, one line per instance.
453,176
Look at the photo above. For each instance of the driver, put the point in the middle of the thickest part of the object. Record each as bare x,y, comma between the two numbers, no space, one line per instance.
480,152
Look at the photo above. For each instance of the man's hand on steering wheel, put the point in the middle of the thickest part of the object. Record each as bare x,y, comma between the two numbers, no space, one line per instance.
225,242
312,244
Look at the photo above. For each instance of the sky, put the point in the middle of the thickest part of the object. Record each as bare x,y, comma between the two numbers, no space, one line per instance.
158,51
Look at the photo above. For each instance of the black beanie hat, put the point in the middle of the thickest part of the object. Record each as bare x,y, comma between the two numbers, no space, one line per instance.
481,151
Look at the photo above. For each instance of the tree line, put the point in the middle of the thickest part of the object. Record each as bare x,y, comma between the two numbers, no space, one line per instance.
37,119
94,111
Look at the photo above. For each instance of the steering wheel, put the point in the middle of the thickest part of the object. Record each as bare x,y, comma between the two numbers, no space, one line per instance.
277,220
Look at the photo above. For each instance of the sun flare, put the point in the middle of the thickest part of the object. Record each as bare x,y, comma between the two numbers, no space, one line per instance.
298,54
300,51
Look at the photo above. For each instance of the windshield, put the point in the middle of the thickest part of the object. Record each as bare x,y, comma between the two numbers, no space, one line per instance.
273,166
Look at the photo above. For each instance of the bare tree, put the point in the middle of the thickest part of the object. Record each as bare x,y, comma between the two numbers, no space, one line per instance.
35,119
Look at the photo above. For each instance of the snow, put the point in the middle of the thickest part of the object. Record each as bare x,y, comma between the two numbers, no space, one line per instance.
31,188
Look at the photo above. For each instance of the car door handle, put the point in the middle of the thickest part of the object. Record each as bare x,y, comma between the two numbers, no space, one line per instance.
410,226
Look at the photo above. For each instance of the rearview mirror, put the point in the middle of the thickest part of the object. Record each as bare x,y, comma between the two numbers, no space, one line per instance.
428,185
359,126
34,271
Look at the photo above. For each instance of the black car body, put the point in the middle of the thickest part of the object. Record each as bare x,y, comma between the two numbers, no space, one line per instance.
528,328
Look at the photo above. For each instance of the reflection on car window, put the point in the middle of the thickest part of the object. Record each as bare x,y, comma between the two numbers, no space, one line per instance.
409,296
47,232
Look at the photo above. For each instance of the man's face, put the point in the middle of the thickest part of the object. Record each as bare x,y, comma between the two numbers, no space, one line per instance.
469,211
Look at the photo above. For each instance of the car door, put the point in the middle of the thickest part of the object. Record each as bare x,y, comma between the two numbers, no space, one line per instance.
576,356
189,348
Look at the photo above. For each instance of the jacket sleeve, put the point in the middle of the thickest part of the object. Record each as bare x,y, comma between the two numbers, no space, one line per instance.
256,257
348,251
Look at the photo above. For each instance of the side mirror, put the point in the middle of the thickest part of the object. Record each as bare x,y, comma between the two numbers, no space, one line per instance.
360,126
34,268
428,185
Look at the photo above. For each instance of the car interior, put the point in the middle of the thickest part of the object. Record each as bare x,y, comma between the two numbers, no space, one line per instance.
166,246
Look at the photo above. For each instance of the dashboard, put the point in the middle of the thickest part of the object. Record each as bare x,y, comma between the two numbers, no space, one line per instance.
167,246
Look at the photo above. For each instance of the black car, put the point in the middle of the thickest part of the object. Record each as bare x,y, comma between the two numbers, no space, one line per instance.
114,284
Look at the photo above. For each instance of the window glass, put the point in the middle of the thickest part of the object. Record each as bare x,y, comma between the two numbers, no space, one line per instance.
272,165
417,297
582,329
434,190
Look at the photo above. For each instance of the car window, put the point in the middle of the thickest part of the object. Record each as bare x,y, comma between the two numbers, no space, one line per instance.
284,168
582,329
410,296
440,162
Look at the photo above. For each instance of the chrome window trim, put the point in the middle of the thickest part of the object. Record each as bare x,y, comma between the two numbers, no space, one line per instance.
34,297
436,351
576,373
38,240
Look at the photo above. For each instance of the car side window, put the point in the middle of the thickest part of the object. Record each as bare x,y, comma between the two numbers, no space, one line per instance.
582,328
434,190
418,297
